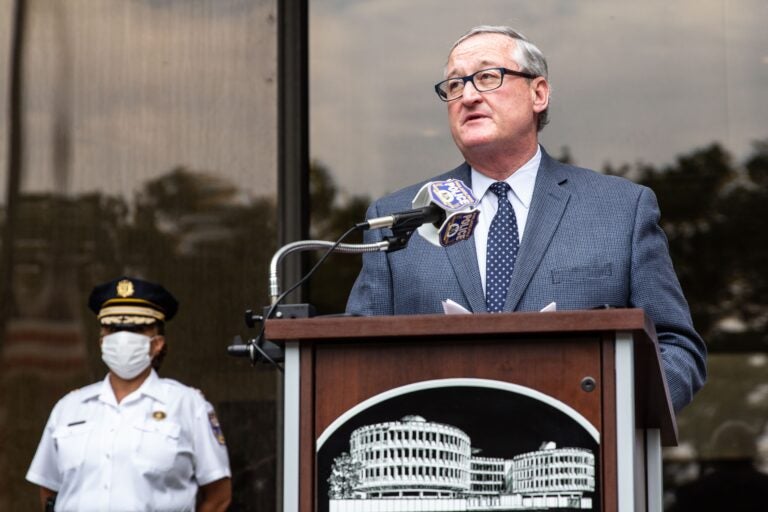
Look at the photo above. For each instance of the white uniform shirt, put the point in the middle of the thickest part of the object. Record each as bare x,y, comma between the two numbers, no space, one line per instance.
148,453
521,184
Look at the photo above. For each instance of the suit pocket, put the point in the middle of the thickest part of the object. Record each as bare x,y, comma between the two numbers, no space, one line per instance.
582,273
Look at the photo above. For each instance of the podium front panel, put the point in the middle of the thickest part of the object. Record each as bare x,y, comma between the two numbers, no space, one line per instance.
439,424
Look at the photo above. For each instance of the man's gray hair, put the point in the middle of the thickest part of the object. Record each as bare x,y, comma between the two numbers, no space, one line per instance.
527,55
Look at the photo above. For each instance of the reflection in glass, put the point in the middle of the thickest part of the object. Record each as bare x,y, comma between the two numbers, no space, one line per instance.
634,95
148,138
723,456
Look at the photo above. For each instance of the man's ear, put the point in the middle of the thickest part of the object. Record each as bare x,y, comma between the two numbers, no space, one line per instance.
540,94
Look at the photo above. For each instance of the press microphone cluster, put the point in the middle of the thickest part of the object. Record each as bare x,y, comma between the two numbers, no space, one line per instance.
444,213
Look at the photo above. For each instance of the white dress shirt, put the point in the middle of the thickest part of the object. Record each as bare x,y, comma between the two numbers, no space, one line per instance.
147,453
521,183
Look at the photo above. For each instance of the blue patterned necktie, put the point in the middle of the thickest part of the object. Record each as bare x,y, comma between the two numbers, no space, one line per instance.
503,243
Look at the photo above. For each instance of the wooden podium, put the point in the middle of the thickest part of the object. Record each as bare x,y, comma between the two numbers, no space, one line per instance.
603,364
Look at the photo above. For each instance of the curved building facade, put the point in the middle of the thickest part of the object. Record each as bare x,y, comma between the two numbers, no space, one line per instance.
552,470
411,458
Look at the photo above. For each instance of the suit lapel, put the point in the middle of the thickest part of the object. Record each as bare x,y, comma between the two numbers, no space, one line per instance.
463,256
547,207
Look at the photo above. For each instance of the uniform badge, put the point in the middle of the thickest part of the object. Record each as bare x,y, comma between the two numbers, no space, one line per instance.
158,415
216,427
125,288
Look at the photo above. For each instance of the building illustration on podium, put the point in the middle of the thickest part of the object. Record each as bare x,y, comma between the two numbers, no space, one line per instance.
416,465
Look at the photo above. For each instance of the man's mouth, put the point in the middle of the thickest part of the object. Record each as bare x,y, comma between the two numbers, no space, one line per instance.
473,117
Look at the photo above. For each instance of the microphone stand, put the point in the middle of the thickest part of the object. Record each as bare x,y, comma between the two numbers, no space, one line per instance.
402,226
260,350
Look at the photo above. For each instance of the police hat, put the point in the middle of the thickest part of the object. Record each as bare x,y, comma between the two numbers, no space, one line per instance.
131,301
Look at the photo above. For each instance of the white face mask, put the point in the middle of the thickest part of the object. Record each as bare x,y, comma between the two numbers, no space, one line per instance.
126,353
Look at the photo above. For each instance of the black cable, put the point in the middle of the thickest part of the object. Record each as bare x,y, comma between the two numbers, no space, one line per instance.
301,281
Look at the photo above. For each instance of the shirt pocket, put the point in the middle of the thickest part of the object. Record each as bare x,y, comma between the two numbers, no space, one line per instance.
582,273
158,443
71,443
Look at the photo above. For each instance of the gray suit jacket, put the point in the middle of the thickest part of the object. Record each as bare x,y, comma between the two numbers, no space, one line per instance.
590,240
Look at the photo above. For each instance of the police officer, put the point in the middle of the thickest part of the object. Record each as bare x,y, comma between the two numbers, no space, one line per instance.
133,441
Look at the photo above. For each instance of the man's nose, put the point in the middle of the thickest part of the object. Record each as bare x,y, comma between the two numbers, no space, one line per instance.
470,93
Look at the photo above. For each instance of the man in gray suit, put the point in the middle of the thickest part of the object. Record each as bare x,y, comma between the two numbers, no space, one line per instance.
583,239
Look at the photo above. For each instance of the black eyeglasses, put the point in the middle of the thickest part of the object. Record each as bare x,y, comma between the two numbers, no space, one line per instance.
484,80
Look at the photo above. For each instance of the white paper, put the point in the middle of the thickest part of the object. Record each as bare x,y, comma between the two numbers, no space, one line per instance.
552,306
452,308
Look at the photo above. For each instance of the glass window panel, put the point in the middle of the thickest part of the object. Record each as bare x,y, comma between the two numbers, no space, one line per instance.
149,138
724,430
669,94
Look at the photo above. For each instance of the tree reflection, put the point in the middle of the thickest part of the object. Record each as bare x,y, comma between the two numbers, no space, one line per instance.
196,231
712,212
192,231
211,244
332,214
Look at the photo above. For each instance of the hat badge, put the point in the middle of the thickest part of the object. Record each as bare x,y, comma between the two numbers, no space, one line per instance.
125,288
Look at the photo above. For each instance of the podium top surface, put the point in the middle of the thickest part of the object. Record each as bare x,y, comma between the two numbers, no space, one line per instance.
340,327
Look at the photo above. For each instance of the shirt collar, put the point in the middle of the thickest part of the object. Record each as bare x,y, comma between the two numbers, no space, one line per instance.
521,181
93,390
150,387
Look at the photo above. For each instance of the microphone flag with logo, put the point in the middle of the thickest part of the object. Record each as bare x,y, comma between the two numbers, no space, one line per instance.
461,211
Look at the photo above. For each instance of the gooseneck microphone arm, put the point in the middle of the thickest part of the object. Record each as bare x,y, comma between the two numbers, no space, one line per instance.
401,226
259,349
311,245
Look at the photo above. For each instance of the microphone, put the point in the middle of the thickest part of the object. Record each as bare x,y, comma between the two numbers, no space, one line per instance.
444,213
414,218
